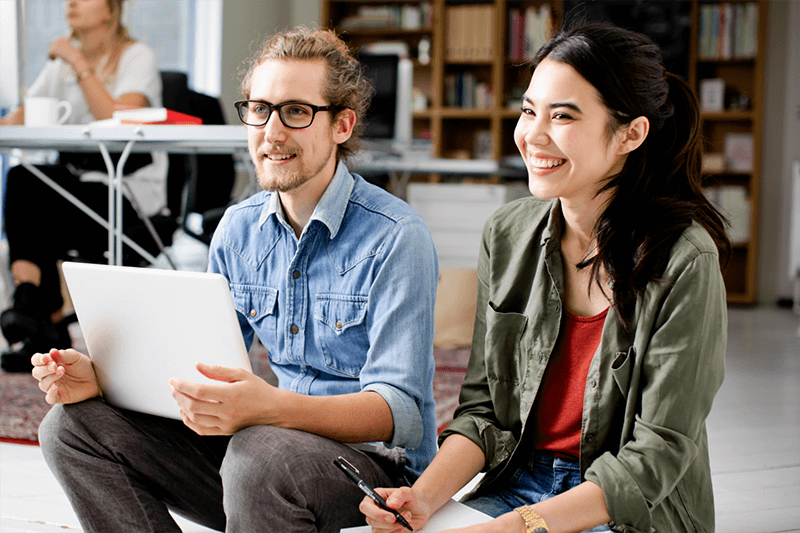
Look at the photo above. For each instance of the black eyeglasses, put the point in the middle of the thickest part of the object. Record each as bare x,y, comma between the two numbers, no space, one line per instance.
295,115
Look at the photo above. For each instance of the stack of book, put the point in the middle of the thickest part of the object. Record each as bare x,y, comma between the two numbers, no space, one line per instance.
728,31
470,33
528,30
406,17
153,115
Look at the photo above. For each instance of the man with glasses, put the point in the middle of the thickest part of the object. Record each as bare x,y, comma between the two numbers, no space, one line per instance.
337,278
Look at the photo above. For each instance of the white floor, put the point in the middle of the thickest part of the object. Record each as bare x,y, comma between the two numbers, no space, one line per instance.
754,429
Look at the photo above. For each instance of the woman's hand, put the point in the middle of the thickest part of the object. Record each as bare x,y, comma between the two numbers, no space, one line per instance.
63,48
66,376
412,505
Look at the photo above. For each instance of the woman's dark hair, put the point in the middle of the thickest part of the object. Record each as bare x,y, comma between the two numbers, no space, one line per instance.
658,192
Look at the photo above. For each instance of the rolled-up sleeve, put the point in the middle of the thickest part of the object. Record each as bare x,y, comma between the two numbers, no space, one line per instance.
680,368
400,363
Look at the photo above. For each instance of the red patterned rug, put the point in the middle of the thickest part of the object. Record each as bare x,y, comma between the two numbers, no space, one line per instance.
22,404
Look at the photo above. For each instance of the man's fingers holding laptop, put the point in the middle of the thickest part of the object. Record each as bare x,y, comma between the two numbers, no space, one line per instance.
67,376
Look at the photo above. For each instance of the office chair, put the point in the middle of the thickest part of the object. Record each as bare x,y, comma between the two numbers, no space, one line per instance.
196,183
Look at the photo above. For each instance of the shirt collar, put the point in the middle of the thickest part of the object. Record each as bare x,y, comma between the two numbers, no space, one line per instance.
552,232
330,208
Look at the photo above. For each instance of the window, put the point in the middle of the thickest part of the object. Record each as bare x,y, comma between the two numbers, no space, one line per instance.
185,34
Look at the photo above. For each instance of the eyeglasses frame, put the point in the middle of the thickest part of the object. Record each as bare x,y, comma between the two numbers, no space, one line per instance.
277,107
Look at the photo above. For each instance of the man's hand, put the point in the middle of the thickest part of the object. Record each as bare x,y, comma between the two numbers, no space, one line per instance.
66,376
239,400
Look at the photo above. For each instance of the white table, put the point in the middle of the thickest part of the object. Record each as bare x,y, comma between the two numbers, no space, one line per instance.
400,168
206,139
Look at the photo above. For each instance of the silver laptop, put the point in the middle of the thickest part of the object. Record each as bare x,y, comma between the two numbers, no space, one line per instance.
143,326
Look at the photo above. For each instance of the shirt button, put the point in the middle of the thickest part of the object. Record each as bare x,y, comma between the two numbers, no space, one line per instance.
593,383
296,274
252,312
339,324
589,438
295,329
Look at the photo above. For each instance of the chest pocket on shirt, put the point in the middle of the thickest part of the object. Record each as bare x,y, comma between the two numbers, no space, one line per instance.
341,332
504,361
260,306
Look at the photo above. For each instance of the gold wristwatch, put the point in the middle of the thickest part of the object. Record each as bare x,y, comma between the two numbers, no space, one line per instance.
533,522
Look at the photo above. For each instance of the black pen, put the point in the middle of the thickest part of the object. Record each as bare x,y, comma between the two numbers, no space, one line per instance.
352,473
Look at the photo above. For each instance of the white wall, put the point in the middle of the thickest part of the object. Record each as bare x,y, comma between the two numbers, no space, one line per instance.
244,26
9,70
781,146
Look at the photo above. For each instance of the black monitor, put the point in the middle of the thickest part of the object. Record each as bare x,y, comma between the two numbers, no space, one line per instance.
382,71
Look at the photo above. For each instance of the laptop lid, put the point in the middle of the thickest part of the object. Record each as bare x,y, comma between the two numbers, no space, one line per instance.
143,326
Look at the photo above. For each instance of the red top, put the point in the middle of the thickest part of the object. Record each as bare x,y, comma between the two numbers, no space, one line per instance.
558,408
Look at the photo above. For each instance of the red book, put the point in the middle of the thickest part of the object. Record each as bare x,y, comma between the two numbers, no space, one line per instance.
154,115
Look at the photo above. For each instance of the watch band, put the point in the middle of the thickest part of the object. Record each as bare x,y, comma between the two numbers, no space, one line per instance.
533,522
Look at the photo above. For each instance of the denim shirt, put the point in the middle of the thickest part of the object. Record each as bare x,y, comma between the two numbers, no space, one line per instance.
348,306
648,391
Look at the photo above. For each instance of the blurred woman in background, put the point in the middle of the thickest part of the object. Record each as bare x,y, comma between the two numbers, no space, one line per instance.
98,68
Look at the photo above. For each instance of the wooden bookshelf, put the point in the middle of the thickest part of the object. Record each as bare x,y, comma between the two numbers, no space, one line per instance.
743,74
455,130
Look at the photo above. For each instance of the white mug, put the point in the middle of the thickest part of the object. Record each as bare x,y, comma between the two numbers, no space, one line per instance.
44,111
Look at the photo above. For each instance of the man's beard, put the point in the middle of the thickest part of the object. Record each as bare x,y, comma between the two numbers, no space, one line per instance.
280,180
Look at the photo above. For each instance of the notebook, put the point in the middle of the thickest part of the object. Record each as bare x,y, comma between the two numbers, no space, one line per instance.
452,514
143,326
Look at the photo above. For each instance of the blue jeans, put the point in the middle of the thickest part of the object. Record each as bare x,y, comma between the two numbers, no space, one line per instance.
542,478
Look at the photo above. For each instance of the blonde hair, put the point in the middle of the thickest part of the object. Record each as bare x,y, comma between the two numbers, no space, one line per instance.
118,36
345,84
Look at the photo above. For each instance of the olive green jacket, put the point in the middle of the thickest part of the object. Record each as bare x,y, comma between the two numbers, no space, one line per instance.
648,392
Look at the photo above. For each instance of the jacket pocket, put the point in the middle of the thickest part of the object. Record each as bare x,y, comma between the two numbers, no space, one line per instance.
504,363
502,348
341,332
621,369
259,305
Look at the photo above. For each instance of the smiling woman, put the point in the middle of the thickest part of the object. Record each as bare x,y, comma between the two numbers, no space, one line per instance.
600,301
562,136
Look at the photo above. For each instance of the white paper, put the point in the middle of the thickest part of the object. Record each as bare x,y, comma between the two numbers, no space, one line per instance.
451,515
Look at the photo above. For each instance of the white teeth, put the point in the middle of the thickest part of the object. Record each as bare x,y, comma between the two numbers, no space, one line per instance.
279,157
540,162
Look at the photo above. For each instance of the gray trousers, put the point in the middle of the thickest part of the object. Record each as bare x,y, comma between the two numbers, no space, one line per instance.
124,471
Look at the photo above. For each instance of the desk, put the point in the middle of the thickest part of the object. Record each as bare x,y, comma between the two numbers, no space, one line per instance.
206,139
400,168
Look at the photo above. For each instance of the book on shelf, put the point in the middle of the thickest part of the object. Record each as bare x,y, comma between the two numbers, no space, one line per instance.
713,162
528,29
739,152
405,17
712,94
733,202
728,30
154,115
470,33
465,91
